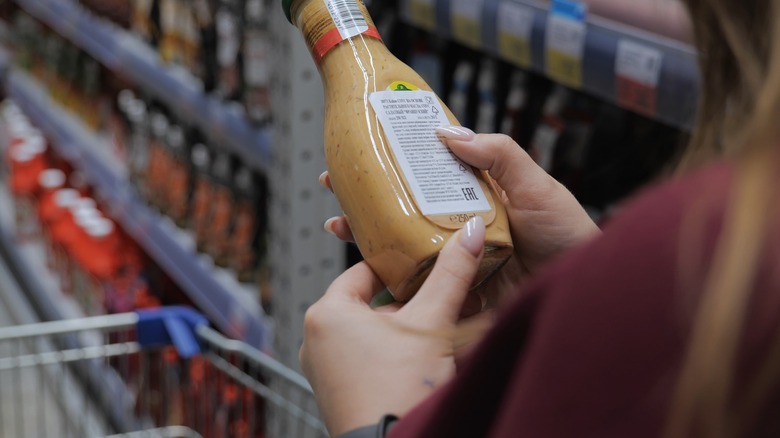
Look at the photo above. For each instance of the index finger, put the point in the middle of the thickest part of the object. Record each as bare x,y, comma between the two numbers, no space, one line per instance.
358,283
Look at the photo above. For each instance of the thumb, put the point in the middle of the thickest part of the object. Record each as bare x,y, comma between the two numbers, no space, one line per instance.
506,162
441,297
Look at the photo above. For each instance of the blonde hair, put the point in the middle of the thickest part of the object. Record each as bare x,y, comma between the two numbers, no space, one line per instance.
739,47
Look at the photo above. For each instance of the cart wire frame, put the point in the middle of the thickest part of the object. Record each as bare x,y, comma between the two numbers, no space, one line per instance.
158,373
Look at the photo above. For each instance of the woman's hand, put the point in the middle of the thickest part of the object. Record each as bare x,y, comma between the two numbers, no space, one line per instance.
364,363
544,217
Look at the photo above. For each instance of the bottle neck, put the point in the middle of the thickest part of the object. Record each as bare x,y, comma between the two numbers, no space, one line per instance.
326,24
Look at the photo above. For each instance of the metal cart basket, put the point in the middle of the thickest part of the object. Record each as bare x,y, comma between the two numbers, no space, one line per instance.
161,373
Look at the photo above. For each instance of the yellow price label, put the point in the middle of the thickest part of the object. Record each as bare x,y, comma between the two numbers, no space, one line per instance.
515,49
423,13
515,24
564,68
467,30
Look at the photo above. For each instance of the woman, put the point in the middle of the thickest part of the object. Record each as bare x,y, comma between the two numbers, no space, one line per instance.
664,325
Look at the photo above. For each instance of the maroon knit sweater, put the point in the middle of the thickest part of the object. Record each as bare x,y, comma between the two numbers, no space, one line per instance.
593,345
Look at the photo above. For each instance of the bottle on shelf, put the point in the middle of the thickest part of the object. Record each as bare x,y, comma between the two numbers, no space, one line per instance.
222,209
247,237
512,121
138,137
486,89
204,18
548,132
458,98
141,21
151,182
94,263
258,64
50,215
64,233
202,193
27,161
228,26
404,192
176,185
50,181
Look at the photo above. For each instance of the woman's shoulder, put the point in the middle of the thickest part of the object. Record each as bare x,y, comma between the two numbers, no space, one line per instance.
668,199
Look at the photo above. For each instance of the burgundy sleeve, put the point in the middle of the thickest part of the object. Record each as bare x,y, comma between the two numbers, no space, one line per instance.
592,347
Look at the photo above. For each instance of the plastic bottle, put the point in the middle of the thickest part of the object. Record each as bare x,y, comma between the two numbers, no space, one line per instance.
547,133
515,105
486,87
51,214
247,236
222,210
258,64
27,163
459,95
50,181
203,188
97,260
403,191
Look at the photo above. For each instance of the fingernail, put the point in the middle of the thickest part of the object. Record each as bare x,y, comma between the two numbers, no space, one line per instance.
482,299
329,225
472,237
322,177
455,133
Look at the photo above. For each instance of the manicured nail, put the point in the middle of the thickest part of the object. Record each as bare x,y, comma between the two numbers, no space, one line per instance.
483,299
322,178
472,237
329,225
455,133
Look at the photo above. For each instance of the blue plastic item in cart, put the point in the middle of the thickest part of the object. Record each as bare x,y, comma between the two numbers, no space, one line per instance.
174,325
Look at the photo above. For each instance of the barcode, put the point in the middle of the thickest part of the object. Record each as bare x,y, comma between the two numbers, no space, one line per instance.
348,17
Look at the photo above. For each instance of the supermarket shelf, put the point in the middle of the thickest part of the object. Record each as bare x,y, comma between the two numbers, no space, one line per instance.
676,91
124,54
225,302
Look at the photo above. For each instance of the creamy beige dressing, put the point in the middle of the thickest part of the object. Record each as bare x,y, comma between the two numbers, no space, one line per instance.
395,239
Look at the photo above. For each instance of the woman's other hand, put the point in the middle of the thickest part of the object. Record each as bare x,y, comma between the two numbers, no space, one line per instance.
364,363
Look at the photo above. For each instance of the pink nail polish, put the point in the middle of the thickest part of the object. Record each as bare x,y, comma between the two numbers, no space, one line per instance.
329,225
472,236
455,133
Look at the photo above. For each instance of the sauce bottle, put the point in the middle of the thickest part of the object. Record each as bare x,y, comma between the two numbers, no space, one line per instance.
403,191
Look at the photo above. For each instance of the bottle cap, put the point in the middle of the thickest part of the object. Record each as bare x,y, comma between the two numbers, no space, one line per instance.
125,98
86,218
65,197
35,143
22,155
51,178
85,203
100,228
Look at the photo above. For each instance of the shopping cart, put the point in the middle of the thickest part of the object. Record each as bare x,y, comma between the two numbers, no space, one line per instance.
147,374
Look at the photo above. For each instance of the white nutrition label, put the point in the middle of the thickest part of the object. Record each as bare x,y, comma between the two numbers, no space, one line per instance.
440,182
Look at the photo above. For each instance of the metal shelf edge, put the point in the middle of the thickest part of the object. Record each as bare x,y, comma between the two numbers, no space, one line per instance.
677,88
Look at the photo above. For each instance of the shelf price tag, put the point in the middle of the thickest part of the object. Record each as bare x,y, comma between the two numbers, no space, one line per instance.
637,72
515,23
466,21
423,13
565,42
